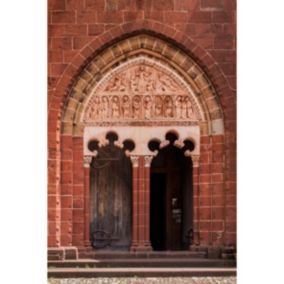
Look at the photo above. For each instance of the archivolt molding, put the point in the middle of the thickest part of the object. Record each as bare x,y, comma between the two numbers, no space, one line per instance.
153,53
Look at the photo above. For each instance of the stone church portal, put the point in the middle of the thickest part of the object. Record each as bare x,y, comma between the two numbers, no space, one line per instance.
141,159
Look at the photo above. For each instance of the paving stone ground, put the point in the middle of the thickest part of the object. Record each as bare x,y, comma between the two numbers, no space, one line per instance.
146,280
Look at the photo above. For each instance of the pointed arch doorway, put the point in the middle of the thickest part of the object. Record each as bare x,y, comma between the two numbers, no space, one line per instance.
142,98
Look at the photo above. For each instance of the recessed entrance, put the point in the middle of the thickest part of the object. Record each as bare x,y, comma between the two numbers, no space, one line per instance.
171,203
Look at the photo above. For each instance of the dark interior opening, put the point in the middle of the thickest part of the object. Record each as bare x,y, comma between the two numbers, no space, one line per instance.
171,200
157,211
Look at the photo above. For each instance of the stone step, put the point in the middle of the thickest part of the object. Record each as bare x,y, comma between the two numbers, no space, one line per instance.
139,272
132,255
135,262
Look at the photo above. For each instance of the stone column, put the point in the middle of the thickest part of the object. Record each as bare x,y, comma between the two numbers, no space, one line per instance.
141,203
135,165
147,168
87,162
196,197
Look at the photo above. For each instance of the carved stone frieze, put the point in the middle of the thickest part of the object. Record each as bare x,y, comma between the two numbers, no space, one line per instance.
140,93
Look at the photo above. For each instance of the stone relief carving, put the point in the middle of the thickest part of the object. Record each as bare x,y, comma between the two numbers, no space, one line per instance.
178,106
103,107
115,107
187,111
136,107
140,93
169,106
158,106
165,83
147,107
126,105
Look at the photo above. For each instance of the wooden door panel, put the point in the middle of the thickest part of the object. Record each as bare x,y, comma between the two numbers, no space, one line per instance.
111,201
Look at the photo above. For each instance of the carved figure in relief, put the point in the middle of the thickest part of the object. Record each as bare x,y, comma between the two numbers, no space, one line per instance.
166,83
125,106
104,107
123,83
158,106
113,85
169,107
147,107
142,80
187,111
94,109
115,107
178,106
136,106
142,83
149,81
117,84
134,81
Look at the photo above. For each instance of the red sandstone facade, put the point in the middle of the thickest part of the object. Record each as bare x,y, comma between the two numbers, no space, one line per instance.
197,36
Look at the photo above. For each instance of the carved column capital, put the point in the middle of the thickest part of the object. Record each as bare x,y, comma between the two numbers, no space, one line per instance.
87,161
148,160
195,160
134,161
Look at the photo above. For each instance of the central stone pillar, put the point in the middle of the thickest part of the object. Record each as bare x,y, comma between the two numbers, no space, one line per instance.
141,203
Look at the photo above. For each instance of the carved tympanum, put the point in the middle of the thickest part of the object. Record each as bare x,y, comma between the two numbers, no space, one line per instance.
140,93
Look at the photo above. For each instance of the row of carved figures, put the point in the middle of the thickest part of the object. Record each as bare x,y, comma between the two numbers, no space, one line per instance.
140,107
141,79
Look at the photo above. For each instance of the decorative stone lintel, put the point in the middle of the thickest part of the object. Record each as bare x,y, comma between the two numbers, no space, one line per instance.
87,161
134,161
141,136
148,160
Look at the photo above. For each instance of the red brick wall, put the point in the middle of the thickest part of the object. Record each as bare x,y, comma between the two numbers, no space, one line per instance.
73,24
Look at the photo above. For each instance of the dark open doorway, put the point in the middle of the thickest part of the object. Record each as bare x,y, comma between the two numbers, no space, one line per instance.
158,211
171,200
